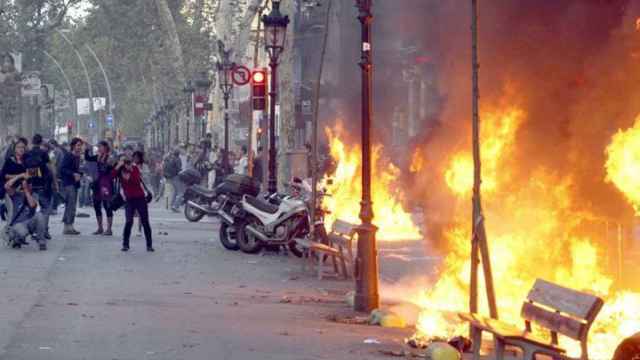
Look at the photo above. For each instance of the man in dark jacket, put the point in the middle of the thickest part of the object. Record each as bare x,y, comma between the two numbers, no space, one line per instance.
70,175
42,182
171,168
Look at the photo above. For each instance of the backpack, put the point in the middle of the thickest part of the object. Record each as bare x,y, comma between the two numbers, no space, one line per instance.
172,167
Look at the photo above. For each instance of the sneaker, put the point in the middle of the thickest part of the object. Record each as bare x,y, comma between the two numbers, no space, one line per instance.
107,233
71,231
98,232
47,236
124,249
150,249
42,247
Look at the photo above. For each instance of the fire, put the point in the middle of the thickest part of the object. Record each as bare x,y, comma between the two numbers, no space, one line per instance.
417,162
501,126
392,220
623,163
533,232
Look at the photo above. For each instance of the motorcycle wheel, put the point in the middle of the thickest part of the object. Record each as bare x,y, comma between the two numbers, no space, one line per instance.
192,214
295,249
247,242
229,237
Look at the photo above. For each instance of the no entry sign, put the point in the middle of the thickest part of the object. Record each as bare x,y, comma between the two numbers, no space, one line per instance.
241,75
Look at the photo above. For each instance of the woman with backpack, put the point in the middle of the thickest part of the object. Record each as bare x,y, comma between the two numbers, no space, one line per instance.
136,197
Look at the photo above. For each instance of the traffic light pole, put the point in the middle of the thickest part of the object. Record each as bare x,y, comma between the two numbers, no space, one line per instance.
225,156
273,177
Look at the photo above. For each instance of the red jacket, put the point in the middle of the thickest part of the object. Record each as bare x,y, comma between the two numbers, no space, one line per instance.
132,187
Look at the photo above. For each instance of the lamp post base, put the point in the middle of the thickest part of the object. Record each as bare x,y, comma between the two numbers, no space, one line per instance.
366,297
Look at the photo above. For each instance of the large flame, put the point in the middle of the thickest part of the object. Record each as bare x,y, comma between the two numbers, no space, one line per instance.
533,232
623,163
392,220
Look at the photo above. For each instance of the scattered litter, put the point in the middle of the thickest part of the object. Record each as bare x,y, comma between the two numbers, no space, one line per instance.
45,347
372,341
386,319
188,293
151,353
284,333
349,320
401,353
61,258
72,304
350,298
442,351
242,286
461,343
294,278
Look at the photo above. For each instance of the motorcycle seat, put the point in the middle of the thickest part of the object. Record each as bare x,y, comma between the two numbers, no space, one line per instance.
261,205
204,191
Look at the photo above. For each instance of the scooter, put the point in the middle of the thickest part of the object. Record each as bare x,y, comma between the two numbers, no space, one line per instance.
265,224
200,201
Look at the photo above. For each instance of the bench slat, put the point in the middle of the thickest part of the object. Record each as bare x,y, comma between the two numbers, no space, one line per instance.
343,227
572,302
553,321
505,330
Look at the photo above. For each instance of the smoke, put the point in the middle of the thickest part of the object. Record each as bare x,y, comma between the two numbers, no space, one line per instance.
570,65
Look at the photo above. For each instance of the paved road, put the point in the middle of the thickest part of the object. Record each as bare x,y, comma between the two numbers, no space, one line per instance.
191,299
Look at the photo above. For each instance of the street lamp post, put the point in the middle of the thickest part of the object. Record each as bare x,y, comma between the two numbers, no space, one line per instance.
275,28
202,86
189,89
366,298
225,69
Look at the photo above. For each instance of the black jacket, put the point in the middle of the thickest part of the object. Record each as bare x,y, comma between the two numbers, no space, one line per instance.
70,165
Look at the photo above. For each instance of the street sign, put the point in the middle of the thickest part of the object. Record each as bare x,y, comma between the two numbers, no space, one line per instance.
109,120
241,75
31,83
83,106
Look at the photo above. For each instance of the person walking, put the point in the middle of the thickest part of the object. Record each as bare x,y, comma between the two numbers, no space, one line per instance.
71,176
42,180
171,168
135,200
102,186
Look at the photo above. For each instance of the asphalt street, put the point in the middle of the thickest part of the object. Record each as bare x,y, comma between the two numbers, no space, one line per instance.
191,299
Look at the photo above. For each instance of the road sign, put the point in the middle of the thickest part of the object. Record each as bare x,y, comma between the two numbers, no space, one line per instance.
241,75
31,83
109,120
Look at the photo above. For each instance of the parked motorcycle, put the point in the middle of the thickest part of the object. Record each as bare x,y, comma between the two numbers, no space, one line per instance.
229,196
265,224
198,200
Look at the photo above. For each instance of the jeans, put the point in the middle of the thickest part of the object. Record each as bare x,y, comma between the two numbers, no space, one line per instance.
45,200
31,226
178,192
132,206
70,194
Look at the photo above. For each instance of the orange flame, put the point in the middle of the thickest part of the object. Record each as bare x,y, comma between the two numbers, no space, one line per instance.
392,220
531,230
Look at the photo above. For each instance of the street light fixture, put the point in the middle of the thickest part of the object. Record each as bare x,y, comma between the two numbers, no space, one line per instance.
366,298
225,69
275,28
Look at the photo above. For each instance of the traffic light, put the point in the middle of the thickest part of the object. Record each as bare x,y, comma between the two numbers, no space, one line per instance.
259,89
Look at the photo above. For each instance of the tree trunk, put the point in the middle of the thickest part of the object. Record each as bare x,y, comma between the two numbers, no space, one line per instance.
175,58
286,94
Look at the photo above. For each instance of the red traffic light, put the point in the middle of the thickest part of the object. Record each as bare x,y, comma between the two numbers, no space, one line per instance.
258,76
259,89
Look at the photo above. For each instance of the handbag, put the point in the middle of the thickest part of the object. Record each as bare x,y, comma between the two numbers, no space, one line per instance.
117,200
148,195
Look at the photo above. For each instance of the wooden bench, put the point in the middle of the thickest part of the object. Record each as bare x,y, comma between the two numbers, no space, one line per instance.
341,237
557,309
318,255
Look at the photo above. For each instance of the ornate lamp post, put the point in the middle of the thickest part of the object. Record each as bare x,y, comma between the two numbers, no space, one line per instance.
189,89
275,28
202,85
225,68
366,298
